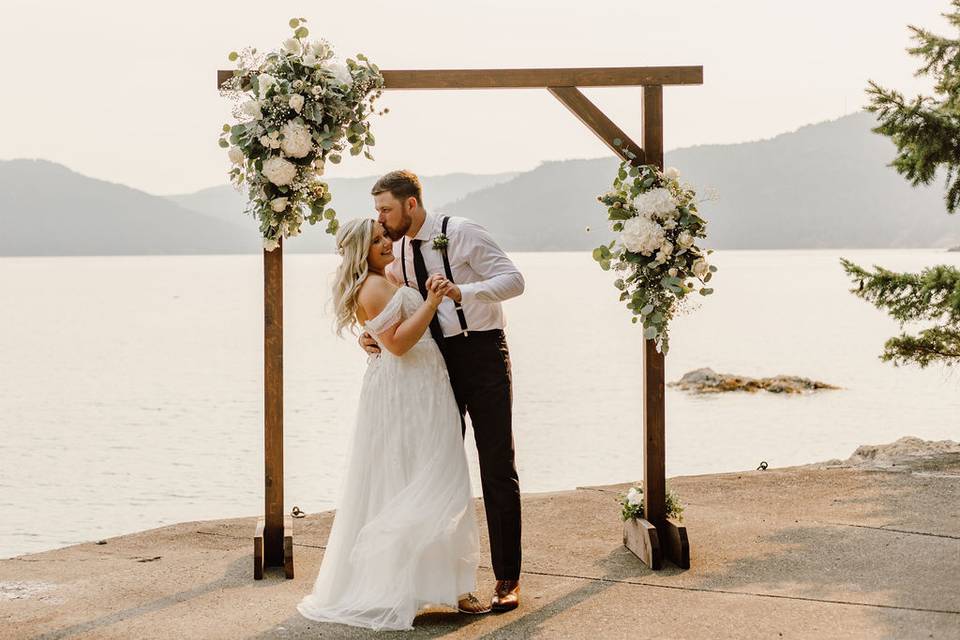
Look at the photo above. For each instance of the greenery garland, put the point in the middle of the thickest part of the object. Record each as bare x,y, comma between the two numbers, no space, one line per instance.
300,107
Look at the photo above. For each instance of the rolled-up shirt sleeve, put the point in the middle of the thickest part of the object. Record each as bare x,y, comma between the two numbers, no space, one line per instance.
500,278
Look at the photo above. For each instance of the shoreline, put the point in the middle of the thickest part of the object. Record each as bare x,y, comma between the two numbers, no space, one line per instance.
864,549
905,454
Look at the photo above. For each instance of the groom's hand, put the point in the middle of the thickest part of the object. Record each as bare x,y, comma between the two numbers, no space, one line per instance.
369,344
453,292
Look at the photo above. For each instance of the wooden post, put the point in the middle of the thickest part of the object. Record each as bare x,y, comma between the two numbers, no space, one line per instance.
273,544
672,536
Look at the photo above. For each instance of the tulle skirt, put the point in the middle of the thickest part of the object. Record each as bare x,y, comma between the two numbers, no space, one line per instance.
405,534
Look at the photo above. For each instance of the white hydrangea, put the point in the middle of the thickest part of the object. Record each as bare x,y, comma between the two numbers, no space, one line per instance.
296,102
634,497
341,73
252,109
279,171
642,235
656,202
297,141
700,268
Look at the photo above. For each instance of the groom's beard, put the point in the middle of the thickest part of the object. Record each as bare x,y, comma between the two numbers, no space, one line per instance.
395,233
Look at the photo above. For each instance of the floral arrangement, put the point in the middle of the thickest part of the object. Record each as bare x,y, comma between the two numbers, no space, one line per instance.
298,107
655,252
631,504
440,241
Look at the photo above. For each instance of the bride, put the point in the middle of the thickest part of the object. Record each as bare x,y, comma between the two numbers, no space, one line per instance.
404,535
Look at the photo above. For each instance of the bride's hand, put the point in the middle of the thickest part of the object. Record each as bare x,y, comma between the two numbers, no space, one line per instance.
437,289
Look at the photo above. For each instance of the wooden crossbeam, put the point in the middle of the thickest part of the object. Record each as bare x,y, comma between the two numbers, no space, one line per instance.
531,78
595,120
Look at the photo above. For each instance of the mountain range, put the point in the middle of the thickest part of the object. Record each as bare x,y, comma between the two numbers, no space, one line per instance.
825,185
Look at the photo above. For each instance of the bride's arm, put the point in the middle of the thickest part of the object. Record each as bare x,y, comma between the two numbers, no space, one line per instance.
400,337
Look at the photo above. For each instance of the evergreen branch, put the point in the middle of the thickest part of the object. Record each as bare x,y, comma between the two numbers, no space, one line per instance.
933,294
936,344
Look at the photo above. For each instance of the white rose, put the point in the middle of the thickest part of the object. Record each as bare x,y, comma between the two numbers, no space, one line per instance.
656,202
319,49
252,109
672,271
685,240
264,82
641,235
670,223
341,73
700,268
316,91
666,248
296,102
270,244
279,171
270,142
236,155
672,173
297,141
292,46
279,204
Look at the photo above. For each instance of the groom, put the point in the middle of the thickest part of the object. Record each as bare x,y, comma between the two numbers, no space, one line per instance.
468,327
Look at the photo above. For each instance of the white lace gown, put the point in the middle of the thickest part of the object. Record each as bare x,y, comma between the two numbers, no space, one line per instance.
404,535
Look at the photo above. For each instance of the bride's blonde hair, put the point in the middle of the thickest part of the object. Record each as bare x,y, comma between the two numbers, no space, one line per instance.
353,244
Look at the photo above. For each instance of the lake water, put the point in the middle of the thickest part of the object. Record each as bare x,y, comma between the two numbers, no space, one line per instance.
131,387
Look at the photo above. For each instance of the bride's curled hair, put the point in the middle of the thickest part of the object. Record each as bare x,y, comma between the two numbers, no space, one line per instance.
353,245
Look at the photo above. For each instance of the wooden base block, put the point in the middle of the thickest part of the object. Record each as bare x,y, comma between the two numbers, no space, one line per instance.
675,544
258,554
288,546
258,551
641,538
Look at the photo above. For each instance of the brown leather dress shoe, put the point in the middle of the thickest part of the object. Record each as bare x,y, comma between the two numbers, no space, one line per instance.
471,604
506,595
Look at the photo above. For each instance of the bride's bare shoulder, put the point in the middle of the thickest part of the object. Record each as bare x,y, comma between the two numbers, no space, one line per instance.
374,294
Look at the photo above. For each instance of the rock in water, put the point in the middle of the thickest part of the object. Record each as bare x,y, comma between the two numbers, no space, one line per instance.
707,380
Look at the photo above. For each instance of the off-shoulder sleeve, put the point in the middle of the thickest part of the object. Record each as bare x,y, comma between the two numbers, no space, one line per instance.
390,315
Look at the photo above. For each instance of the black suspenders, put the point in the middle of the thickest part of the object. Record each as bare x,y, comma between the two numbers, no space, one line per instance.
446,267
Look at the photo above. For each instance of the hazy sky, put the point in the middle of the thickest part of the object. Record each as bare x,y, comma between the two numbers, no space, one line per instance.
126,91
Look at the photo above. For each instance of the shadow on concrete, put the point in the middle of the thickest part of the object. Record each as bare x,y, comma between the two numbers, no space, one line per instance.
238,574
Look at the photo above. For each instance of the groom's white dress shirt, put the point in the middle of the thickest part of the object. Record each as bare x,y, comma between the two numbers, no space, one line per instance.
484,273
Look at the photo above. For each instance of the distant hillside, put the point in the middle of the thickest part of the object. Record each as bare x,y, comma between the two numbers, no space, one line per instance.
351,199
47,209
823,186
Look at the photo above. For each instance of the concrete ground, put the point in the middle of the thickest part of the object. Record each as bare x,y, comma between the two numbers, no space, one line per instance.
799,552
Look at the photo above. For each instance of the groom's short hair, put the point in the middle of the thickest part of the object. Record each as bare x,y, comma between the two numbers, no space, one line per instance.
402,184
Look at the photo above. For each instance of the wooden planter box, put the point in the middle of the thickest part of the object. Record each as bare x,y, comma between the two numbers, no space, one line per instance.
645,542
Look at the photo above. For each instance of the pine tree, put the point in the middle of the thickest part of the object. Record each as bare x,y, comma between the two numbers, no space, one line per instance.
926,132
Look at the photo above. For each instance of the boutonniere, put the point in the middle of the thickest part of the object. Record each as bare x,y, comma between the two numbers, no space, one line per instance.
440,241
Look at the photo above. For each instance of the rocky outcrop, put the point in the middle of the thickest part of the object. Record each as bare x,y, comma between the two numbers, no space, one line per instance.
707,380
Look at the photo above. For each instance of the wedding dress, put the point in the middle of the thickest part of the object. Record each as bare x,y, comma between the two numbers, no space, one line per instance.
405,534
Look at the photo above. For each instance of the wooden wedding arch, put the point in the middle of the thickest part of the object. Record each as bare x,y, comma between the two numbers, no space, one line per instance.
658,536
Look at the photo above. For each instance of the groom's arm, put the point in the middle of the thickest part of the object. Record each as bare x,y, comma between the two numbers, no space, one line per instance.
500,278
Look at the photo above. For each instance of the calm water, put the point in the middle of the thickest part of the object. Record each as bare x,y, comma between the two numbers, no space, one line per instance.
131,387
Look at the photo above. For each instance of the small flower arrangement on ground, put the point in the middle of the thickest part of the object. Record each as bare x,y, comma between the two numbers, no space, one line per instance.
300,107
631,504
656,252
